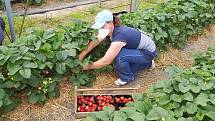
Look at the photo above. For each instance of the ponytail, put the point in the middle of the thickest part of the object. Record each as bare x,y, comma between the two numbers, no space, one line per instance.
116,20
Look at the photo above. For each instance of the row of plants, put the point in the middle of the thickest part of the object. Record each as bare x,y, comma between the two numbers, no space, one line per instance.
35,63
188,95
172,22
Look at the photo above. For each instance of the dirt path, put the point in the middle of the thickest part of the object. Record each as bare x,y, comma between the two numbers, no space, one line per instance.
62,108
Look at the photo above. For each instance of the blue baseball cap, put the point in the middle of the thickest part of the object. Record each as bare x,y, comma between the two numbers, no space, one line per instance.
101,18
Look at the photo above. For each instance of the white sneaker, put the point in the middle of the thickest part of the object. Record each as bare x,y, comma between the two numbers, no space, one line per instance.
119,82
153,65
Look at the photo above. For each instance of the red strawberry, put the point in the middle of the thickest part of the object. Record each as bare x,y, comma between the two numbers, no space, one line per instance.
82,110
86,108
122,98
87,98
90,103
117,100
129,99
100,108
92,99
98,97
82,100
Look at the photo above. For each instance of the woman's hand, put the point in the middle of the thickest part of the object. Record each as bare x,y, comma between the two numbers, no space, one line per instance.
91,45
86,67
82,55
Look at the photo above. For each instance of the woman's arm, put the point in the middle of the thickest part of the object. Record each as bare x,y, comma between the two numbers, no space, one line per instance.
90,47
109,56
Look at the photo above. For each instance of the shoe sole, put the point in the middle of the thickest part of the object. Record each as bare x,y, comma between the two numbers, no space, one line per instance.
119,84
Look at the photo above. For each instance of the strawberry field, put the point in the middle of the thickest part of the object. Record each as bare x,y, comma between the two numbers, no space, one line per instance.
35,64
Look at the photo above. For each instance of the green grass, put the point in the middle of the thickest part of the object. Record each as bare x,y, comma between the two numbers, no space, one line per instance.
87,14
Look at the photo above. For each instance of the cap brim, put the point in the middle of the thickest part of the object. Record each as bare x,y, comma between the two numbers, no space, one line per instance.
98,25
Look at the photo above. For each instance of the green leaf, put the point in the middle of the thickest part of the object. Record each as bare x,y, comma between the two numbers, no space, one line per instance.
88,119
184,86
29,55
37,45
46,47
57,44
24,49
13,68
202,99
168,89
178,113
195,88
102,116
188,96
2,56
211,115
15,58
71,52
1,103
26,72
4,49
109,110
206,85
133,114
7,101
191,108
175,31
119,116
49,64
164,100
200,115
2,93
60,36
182,119
136,116
61,55
176,98
61,68
48,34
2,77
41,57
156,113
51,87
11,84
33,99
29,64
2,61
212,98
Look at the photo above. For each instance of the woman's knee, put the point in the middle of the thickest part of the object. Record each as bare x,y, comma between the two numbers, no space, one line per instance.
118,65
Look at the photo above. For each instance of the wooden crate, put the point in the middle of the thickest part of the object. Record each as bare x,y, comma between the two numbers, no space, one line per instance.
95,92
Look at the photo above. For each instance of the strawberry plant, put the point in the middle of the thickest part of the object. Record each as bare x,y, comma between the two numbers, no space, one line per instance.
35,63
172,22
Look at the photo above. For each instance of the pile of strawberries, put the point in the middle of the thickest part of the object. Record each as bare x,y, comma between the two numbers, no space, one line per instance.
86,104
97,103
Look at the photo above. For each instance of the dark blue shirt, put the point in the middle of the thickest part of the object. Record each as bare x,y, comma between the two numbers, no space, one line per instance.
128,35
